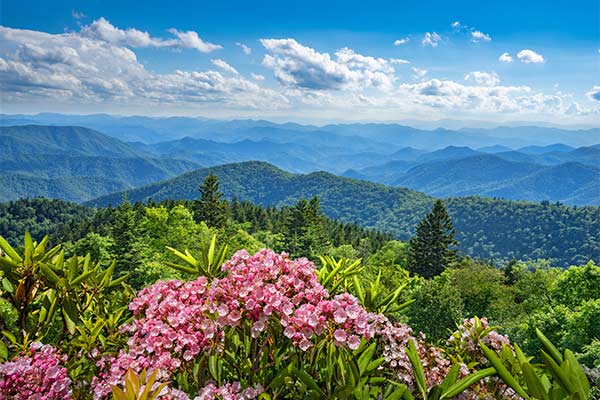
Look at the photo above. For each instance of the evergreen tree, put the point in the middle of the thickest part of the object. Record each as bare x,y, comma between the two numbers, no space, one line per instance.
433,248
125,232
211,208
304,232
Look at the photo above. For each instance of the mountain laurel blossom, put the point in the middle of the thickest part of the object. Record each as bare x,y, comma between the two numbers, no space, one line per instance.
37,374
175,321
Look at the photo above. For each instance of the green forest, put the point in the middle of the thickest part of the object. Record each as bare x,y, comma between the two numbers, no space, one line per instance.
488,228
442,323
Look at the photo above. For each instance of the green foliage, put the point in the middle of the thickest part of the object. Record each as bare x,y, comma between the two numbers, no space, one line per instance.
560,376
433,249
209,265
39,216
138,387
437,308
486,228
211,208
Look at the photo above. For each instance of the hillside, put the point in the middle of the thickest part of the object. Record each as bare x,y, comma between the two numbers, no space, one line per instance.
74,163
492,176
490,228
38,216
17,141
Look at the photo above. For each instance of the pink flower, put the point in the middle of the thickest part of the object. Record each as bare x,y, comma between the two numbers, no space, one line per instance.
37,374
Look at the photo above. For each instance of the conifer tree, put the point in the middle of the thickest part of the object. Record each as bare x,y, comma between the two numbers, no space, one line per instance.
305,234
433,248
125,232
211,208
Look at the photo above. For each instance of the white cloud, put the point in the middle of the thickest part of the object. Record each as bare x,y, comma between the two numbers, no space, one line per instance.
594,93
102,30
478,36
483,78
455,25
529,56
505,57
39,71
300,66
224,66
431,39
190,39
419,72
247,50
400,42
399,61
74,68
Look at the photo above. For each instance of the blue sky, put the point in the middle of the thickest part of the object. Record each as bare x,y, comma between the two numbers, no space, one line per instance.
307,61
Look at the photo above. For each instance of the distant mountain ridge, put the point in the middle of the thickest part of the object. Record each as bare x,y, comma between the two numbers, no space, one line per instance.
74,163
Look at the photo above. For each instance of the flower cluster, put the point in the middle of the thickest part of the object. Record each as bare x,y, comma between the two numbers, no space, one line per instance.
37,374
342,318
229,391
269,284
175,321
171,327
395,338
466,340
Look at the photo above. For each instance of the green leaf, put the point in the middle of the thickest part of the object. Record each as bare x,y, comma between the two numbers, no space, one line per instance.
549,347
9,251
415,361
467,382
534,383
503,372
3,351
310,382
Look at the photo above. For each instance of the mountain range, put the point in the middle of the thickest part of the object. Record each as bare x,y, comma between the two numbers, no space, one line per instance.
62,161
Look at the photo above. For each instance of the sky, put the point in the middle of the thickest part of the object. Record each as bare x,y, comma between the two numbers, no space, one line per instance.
305,61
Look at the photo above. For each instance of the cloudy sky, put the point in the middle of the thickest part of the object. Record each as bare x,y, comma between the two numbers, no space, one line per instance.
307,61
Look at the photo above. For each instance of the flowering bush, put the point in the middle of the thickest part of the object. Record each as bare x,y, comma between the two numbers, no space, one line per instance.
175,322
37,374
265,325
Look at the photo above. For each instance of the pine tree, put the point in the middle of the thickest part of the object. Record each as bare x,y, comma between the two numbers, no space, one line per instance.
304,232
211,208
125,232
433,248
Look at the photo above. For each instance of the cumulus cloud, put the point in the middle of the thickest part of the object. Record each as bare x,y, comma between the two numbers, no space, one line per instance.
224,66
483,78
102,30
190,39
455,25
478,36
594,93
299,66
257,77
529,56
399,61
247,50
505,57
73,67
400,42
431,39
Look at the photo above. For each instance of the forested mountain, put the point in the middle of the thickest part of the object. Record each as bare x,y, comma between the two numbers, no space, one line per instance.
490,228
74,163
493,176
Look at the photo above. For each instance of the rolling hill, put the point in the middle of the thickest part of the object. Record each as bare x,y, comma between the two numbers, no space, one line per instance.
74,163
490,228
